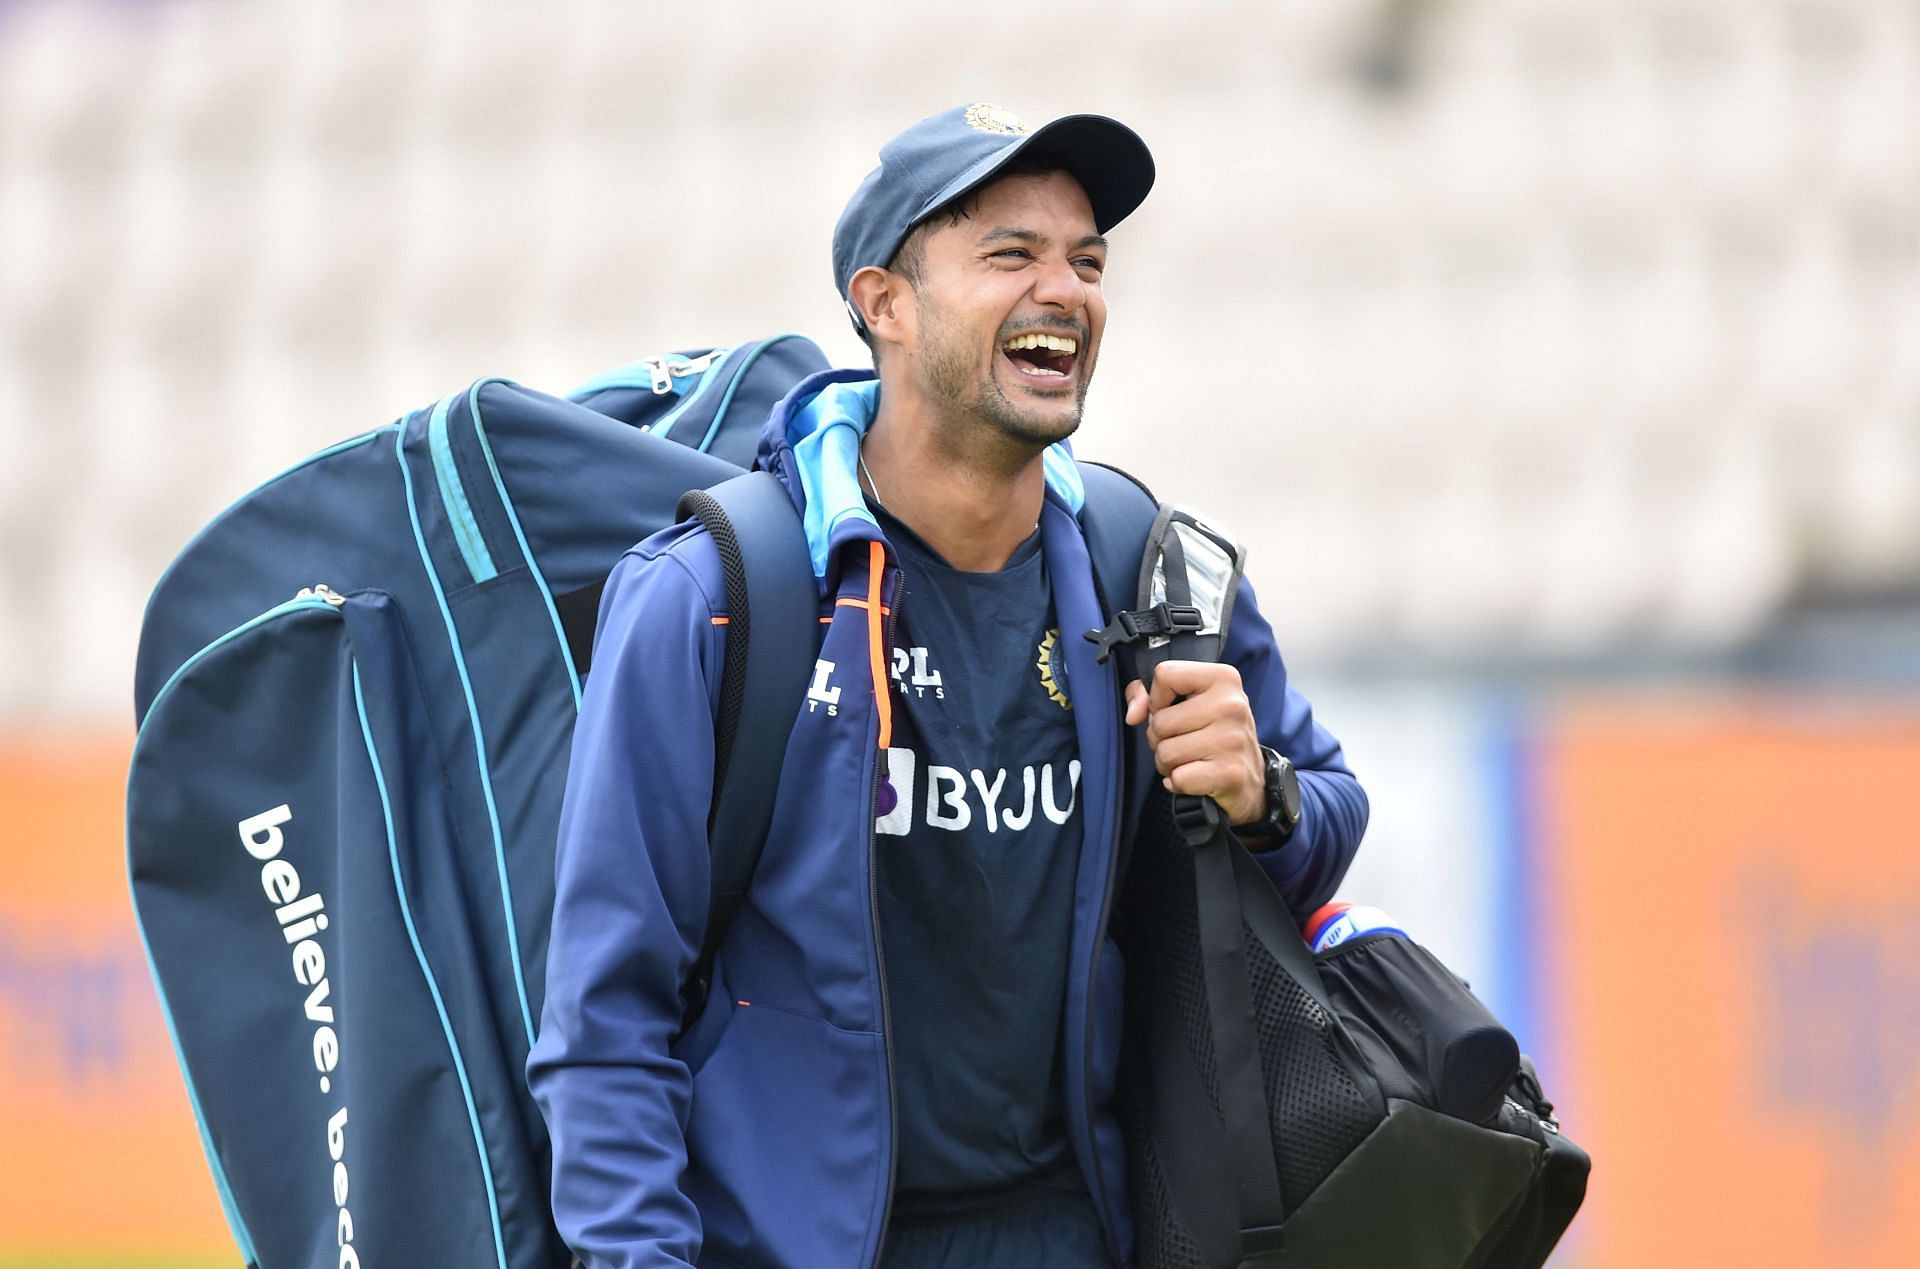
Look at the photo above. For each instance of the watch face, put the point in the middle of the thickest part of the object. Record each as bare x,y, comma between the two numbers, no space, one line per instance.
1287,797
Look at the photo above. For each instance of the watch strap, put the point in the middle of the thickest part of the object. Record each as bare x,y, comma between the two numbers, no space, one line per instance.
1274,823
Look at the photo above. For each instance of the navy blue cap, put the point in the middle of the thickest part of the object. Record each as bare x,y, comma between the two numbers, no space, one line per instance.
948,154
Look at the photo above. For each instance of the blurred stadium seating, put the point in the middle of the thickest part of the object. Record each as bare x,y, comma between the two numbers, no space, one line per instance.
1536,327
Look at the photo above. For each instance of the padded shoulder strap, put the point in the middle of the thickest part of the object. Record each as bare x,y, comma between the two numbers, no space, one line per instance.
772,612
1117,518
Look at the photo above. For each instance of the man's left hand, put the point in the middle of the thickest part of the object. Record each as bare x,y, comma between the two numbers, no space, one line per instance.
1200,727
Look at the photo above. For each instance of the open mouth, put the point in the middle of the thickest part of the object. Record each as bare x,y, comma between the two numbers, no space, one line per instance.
1042,359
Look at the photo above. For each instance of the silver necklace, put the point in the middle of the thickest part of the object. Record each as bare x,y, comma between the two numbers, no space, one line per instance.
872,488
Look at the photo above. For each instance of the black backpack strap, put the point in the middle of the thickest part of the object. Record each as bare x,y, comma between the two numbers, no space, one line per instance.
773,611
1117,519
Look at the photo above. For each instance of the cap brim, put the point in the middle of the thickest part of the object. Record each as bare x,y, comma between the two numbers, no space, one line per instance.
1111,162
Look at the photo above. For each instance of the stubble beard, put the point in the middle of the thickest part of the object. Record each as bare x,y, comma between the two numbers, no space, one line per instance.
962,392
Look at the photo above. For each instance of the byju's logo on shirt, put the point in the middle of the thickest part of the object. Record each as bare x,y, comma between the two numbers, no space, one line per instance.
952,799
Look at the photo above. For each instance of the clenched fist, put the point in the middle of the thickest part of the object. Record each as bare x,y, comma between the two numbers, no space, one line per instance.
1200,727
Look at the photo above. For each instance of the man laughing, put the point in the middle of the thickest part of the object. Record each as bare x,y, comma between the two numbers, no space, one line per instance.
908,1054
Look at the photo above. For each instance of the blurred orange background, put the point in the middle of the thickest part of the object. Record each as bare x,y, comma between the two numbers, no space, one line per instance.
1734,969
112,1164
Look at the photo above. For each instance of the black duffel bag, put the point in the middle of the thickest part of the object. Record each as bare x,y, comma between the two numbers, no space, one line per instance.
1361,1108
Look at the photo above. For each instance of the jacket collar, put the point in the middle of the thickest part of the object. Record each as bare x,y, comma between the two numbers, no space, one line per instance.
812,441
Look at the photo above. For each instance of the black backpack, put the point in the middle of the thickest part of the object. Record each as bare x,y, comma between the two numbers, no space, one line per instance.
1358,1108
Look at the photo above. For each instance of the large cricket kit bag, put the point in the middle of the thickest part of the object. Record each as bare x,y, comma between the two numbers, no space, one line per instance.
356,691
1359,1108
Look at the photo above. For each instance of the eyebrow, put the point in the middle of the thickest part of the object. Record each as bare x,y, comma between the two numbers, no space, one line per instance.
1007,233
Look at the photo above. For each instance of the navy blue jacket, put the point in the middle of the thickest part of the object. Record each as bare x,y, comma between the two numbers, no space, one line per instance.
764,1134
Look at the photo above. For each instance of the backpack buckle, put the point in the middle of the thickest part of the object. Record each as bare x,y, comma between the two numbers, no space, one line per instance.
1129,626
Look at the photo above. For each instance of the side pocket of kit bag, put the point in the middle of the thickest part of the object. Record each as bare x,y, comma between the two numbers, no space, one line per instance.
267,805
225,780
1458,1058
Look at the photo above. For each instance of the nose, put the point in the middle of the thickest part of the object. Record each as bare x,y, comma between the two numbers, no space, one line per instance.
1059,285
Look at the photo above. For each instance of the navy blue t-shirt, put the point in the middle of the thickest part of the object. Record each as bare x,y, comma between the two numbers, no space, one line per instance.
976,860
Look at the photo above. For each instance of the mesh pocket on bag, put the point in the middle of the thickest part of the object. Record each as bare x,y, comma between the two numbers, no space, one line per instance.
1318,1111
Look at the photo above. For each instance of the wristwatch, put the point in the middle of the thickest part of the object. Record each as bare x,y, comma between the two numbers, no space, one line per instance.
1283,803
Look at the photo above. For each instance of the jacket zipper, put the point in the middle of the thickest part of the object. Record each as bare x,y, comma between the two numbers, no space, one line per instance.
880,774
1093,978
1109,1226
1118,792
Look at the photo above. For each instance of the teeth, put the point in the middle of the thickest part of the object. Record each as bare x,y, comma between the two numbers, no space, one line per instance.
1052,343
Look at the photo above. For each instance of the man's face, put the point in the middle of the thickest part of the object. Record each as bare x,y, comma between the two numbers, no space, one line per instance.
1009,308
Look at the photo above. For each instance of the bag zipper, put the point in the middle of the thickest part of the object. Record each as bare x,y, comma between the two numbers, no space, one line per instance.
657,373
319,595
704,367
322,592
667,367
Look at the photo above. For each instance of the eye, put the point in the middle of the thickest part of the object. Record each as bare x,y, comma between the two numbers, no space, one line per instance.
1013,253
1090,264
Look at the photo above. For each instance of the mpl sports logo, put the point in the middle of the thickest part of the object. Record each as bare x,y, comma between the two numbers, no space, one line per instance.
823,693
914,675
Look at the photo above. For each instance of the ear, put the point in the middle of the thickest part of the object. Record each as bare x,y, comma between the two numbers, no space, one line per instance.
884,300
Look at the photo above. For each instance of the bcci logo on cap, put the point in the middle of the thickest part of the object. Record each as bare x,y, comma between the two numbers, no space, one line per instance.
985,117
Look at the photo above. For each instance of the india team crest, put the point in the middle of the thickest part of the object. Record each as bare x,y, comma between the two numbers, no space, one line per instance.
1049,665
984,116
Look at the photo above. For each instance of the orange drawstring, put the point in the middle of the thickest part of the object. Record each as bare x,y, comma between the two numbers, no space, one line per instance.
877,643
